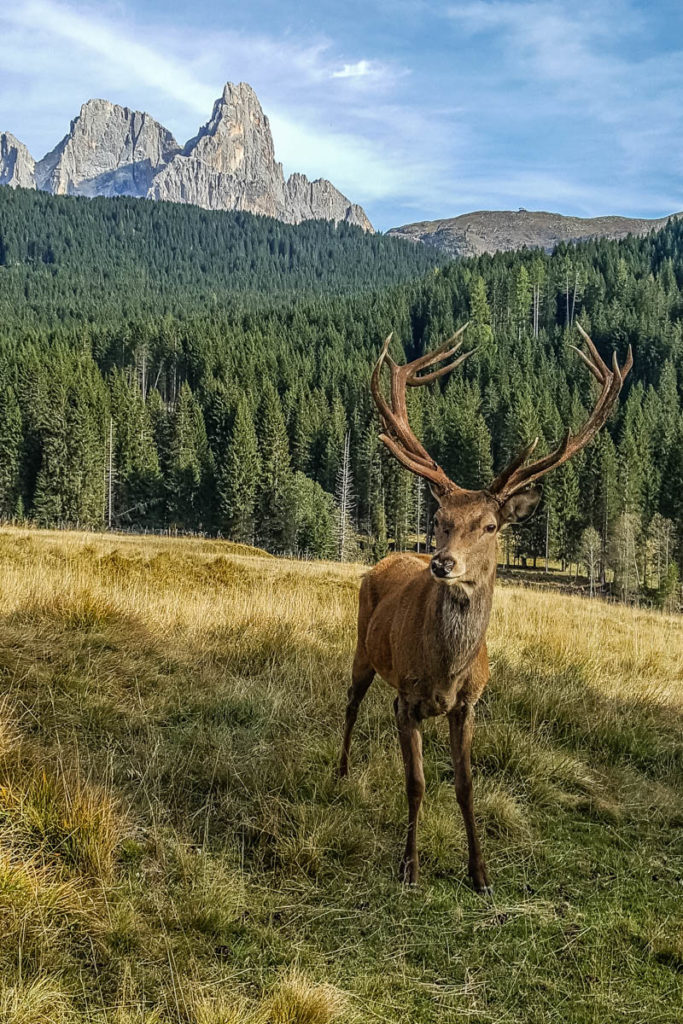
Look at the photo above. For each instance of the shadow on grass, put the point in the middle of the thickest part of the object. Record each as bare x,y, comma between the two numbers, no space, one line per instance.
237,738
236,846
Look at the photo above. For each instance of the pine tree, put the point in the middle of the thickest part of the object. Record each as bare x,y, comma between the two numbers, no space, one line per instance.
11,439
479,332
238,478
137,490
316,519
522,301
275,500
189,463
335,446
345,507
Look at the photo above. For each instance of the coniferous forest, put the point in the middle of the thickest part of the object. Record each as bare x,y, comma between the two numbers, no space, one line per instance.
166,367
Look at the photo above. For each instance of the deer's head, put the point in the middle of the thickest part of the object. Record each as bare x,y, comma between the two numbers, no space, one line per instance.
467,522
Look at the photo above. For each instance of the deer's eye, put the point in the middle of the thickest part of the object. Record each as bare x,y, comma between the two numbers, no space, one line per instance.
490,528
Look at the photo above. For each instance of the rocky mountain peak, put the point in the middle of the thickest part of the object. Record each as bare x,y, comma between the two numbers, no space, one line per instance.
228,165
489,231
237,135
109,150
17,166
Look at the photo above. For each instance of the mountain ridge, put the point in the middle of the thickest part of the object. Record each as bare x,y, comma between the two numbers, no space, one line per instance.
228,165
489,231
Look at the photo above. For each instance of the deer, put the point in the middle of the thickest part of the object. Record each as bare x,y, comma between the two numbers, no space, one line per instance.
422,618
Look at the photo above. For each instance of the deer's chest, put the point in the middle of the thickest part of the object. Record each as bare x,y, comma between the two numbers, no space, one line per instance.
431,700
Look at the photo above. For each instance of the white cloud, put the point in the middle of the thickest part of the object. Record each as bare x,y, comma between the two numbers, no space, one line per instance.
361,69
94,35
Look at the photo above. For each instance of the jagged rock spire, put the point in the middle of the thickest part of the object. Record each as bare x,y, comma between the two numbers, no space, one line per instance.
229,165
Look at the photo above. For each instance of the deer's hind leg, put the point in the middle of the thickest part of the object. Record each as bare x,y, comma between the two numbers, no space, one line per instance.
362,675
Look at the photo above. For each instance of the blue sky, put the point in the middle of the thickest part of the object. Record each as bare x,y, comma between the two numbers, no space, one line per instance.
415,109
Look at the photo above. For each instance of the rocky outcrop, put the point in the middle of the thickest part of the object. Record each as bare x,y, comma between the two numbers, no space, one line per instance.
320,199
110,150
229,165
17,166
489,231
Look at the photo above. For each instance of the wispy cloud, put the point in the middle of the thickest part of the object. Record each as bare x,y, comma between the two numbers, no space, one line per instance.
95,36
361,69
585,88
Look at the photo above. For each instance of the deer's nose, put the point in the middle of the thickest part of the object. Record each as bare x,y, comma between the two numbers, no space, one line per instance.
442,567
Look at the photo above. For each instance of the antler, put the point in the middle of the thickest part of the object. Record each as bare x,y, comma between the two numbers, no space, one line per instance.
516,475
398,436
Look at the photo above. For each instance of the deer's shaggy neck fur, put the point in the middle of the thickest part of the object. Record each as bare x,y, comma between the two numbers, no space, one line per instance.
460,621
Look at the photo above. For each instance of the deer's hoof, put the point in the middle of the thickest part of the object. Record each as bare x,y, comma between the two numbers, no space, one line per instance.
479,880
409,872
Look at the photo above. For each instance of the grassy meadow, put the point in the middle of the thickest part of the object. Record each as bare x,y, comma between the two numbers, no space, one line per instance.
174,846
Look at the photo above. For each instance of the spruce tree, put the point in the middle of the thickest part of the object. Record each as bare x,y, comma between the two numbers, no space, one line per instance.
137,481
275,498
11,439
189,464
238,478
315,519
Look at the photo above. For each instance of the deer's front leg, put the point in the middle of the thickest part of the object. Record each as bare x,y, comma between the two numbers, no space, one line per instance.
461,726
410,739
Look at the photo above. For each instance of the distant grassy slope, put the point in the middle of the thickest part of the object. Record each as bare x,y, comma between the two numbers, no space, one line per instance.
472,234
174,846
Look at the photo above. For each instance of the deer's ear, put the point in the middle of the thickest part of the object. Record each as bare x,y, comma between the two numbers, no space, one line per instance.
520,507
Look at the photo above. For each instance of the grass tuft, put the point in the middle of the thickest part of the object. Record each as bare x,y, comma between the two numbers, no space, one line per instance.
298,1001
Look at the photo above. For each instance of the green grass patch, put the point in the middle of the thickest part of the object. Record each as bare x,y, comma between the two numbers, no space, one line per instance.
174,846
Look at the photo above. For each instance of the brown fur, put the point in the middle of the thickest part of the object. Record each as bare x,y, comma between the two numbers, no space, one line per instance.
426,638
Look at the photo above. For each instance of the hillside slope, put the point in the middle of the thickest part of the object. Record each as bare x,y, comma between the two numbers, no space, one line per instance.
489,231
174,845
83,253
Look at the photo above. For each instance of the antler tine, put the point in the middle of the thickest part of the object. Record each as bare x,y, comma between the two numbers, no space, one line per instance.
600,362
375,388
591,366
517,476
398,435
442,352
395,419
518,460
416,382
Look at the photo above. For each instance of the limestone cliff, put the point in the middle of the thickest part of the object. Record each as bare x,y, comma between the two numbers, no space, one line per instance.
17,166
229,165
109,150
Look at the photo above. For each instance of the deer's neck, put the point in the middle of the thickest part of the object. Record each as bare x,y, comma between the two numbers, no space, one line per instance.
461,622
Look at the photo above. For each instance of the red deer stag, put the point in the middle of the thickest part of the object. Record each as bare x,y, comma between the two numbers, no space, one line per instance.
422,620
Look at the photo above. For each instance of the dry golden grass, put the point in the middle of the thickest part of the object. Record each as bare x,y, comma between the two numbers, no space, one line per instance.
174,847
